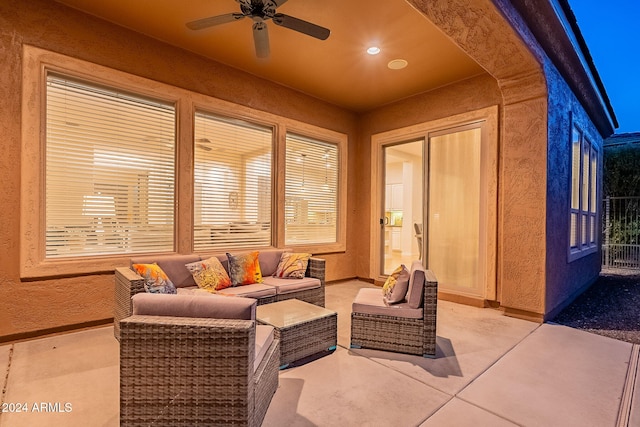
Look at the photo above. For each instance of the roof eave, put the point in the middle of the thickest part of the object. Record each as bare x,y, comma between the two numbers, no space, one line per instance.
555,27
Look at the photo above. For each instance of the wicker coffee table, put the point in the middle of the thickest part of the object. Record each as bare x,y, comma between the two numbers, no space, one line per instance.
303,329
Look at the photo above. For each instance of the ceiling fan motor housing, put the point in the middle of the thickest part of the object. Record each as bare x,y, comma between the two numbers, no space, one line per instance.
258,9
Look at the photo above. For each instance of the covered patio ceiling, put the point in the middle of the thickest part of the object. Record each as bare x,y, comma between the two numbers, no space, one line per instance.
338,70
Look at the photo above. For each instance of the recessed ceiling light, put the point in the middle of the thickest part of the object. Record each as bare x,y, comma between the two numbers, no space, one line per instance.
397,64
373,50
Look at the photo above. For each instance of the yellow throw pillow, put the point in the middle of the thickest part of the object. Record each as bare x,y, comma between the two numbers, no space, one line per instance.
292,265
209,274
395,287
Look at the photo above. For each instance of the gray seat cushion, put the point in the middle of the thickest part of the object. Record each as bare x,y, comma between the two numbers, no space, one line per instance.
370,301
257,290
285,286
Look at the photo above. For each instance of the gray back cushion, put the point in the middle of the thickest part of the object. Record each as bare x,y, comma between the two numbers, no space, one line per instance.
203,306
269,259
175,265
416,285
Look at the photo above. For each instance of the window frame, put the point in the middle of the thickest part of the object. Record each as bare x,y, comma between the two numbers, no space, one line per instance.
37,61
588,208
329,137
273,144
315,141
154,215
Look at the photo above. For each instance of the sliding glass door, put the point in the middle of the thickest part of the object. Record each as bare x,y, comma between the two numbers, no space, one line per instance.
434,208
454,250
435,198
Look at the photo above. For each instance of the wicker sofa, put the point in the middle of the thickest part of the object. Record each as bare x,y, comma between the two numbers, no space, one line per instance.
310,289
408,327
217,368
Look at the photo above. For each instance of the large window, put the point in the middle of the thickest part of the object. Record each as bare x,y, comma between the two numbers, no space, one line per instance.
311,196
584,203
233,183
113,164
109,171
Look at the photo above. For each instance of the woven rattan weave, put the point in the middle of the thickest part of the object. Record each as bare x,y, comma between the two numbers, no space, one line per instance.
177,371
400,334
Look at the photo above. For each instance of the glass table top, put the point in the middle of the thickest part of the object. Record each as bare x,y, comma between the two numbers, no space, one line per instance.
283,314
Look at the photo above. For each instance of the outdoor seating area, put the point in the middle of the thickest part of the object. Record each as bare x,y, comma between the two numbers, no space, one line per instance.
214,226
489,370
187,324
235,360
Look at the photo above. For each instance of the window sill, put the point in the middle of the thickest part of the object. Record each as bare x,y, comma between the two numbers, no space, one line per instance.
576,254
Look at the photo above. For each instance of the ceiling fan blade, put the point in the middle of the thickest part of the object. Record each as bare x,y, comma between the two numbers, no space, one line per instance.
301,26
261,39
214,20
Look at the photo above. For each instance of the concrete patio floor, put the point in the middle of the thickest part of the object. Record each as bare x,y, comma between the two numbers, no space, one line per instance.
490,370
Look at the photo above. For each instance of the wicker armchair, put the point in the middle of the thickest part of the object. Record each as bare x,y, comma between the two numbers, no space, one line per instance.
184,371
399,333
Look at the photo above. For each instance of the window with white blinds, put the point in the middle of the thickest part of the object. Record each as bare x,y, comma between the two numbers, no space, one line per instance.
110,171
583,209
311,191
232,183
575,188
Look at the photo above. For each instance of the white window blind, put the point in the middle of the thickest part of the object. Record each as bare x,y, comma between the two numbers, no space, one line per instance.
311,191
593,195
233,183
110,171
575,188
584,203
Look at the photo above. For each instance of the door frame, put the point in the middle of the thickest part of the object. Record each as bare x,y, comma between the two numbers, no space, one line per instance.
489,164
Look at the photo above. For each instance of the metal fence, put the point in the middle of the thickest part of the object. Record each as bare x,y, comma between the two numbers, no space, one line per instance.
621,232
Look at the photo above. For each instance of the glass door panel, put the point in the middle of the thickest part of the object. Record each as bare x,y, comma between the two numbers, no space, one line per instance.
402,211
454,211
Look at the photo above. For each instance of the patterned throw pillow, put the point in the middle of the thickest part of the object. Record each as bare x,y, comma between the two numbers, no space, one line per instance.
244,269
292,265
209,274
156,281
396,285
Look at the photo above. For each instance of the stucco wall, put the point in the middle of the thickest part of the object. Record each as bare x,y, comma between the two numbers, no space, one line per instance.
39,305
565,279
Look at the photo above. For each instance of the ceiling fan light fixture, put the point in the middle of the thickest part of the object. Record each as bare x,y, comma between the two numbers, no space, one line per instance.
397,64
373,50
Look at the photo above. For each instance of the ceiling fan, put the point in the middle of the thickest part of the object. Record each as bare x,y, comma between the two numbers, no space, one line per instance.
261,11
